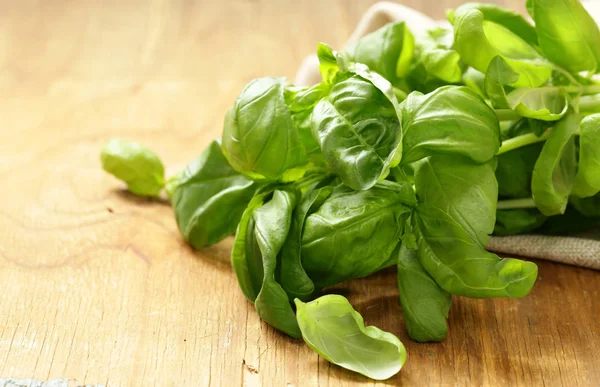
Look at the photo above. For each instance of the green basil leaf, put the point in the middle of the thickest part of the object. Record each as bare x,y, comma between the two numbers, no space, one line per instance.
568,35
478,40
328,63
387,51
499,73
555,168
293,277
545,103
354,233
259,137
134,164
518,221
209,198
515,169
272,223
451,120
475,80
589,207
454,217
425,305
333,329
438,57
358,130
587,180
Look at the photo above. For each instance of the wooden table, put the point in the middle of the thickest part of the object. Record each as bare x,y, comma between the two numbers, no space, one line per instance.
97,286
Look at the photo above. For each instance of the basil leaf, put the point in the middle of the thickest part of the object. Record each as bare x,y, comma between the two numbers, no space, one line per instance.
293,277
425,305
453,220
499,73
259,137
333,329
387,51
589,207
451,120
475,80
134,164
555,168
358,130
272,223
545,103
587,180
438,57
515,169
354,233
209,198
568,35
518,221
478,40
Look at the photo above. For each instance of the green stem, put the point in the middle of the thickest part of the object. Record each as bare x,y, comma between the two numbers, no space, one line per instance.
400,94
519,141
594,89
515,203
507,115
589,104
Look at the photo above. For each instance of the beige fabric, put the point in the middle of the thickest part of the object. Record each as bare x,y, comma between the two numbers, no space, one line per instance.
580,251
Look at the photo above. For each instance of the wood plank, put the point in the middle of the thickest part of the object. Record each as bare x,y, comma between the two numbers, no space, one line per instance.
97,285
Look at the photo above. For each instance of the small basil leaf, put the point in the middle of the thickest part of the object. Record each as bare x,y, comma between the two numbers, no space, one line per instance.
499,73
438,57
450,120
293,277
328,64
479,40
587,180
134,164
259,137
358,130
454,215
555,168
333,329
425,305
568,35
354,233
515,169
387,51
545,103
475,80
518,221
272,223
209,198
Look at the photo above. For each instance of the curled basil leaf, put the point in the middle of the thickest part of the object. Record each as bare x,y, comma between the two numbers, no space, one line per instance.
425,305
134,164
387,51
209,198
480,38
587,180
544,103
567,34
259,136
354,233
437,56
499,74
333,329
556,167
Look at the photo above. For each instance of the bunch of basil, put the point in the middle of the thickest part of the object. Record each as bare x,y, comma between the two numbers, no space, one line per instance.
398,157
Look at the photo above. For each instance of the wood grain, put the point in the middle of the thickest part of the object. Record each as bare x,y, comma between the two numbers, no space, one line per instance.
97,285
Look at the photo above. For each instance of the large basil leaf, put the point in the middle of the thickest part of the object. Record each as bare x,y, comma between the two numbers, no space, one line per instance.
387,51
453,220
544,103
209,198
479,39
587,180
259,136
425,305
555,168
354,233
518,221
450,120
358,130
272,223
333,329
134,164
567,34
293,277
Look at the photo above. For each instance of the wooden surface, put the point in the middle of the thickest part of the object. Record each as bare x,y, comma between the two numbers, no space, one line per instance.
97,286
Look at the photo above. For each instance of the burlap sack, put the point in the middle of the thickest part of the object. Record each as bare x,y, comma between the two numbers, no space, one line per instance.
582,250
